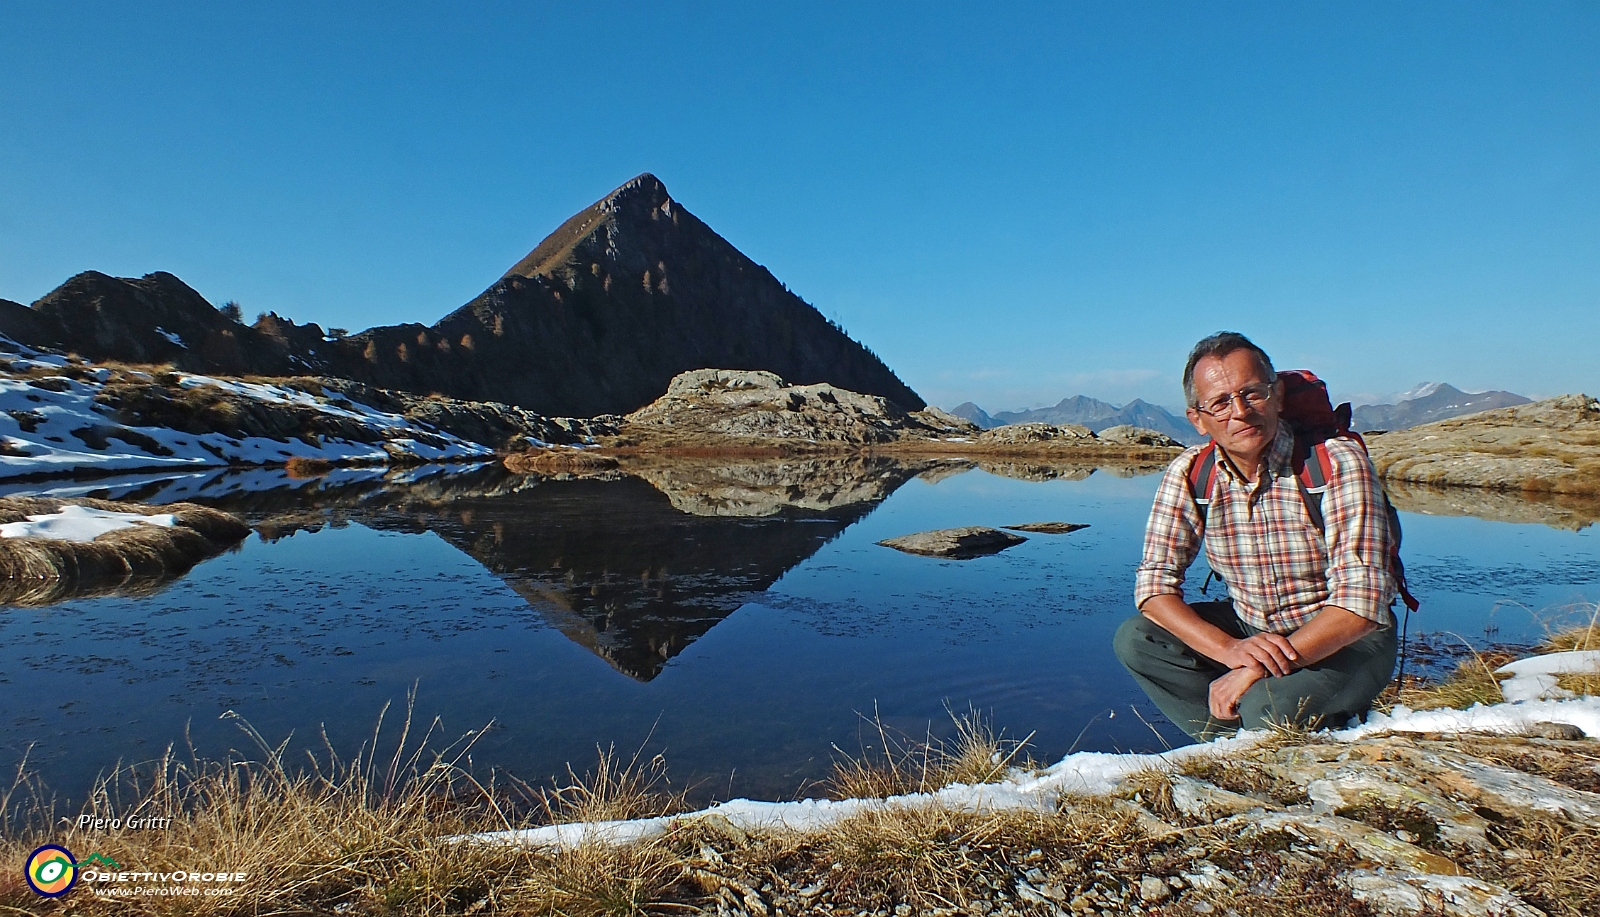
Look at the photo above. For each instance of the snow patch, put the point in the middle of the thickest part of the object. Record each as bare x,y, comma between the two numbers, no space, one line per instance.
81,523
1534,678
171,337
53,426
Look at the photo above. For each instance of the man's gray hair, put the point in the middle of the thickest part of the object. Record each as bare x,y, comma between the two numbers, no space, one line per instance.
1220,345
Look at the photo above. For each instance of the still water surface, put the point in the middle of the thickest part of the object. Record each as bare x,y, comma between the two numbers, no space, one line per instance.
745,648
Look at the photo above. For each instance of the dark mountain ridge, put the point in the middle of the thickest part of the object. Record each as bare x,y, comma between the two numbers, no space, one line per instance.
597,319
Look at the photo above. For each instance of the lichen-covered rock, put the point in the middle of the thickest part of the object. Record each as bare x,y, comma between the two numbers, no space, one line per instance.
1411,894
1199,799
1551,445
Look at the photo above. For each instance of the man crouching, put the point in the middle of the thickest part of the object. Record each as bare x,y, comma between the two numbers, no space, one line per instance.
1306,635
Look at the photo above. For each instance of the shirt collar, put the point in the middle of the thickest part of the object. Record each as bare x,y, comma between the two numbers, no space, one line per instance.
1280,456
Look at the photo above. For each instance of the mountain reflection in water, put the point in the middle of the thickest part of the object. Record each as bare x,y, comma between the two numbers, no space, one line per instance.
744,602
632,566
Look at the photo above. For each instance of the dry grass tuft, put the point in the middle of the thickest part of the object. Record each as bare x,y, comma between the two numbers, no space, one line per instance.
932,856
137,560
1246,775
600,881
898,765
1473,682
612,791
1152,788
1550,863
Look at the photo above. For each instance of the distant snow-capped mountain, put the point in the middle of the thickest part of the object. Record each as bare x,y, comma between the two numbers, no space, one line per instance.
1430,401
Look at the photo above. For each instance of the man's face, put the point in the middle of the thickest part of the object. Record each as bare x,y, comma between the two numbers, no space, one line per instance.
1243,432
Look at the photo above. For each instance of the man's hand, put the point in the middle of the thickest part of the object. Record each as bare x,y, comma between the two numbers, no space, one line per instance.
1272,652
1227,691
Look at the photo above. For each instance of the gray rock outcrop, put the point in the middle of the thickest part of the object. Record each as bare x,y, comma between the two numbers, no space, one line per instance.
1021,433
758,406
1549,446
1129,435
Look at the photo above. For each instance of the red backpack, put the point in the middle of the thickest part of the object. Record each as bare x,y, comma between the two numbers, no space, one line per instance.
1314,420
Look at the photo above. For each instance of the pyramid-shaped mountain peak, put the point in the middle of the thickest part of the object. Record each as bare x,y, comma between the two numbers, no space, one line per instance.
597,319
631,291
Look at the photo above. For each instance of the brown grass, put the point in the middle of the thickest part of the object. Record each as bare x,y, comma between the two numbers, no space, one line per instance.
1554,864
367,834
301,467
897,765
1474,682
138,559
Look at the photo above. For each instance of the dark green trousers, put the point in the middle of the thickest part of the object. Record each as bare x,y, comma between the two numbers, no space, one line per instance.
1178,679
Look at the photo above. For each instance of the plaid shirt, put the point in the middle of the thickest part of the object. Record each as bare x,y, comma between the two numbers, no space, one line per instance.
1280,570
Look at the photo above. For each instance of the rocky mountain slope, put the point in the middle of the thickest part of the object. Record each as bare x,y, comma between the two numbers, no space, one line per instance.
595,320
1436,401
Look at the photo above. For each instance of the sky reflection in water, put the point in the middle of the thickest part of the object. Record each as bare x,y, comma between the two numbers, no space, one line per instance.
576,614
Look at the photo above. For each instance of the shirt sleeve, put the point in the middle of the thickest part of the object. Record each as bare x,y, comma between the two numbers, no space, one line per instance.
1173,535
1358,537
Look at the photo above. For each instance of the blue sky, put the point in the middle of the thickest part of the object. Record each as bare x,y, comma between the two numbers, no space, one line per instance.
1009,206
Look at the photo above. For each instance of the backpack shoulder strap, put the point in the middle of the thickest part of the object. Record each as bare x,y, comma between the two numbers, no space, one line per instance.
1312,469
1203,478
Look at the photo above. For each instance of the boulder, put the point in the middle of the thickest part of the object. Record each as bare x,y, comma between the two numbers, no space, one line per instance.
721,404
1127,435
1020,433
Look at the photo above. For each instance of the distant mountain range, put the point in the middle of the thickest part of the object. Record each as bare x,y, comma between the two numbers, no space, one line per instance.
1426,403
1089,412
597,319
1429,402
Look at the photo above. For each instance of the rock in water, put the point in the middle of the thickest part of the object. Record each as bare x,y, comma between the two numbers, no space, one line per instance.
1048,528
960,543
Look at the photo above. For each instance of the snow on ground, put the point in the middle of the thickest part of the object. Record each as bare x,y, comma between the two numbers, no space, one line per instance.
1083,773
1534,678
51,425
81,523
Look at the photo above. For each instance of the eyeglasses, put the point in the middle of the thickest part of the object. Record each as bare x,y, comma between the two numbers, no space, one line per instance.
1251,396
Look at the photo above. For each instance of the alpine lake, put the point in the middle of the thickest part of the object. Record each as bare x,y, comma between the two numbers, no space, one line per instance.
736,618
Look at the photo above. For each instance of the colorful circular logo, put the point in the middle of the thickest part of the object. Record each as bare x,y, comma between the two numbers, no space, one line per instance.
52,871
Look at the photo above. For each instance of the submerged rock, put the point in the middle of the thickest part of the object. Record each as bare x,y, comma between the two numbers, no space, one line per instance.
1048,528
959,543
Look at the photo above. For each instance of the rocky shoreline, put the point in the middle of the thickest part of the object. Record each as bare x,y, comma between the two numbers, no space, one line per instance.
1489,812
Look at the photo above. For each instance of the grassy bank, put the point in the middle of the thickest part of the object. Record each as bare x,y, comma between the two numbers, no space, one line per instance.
373,835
